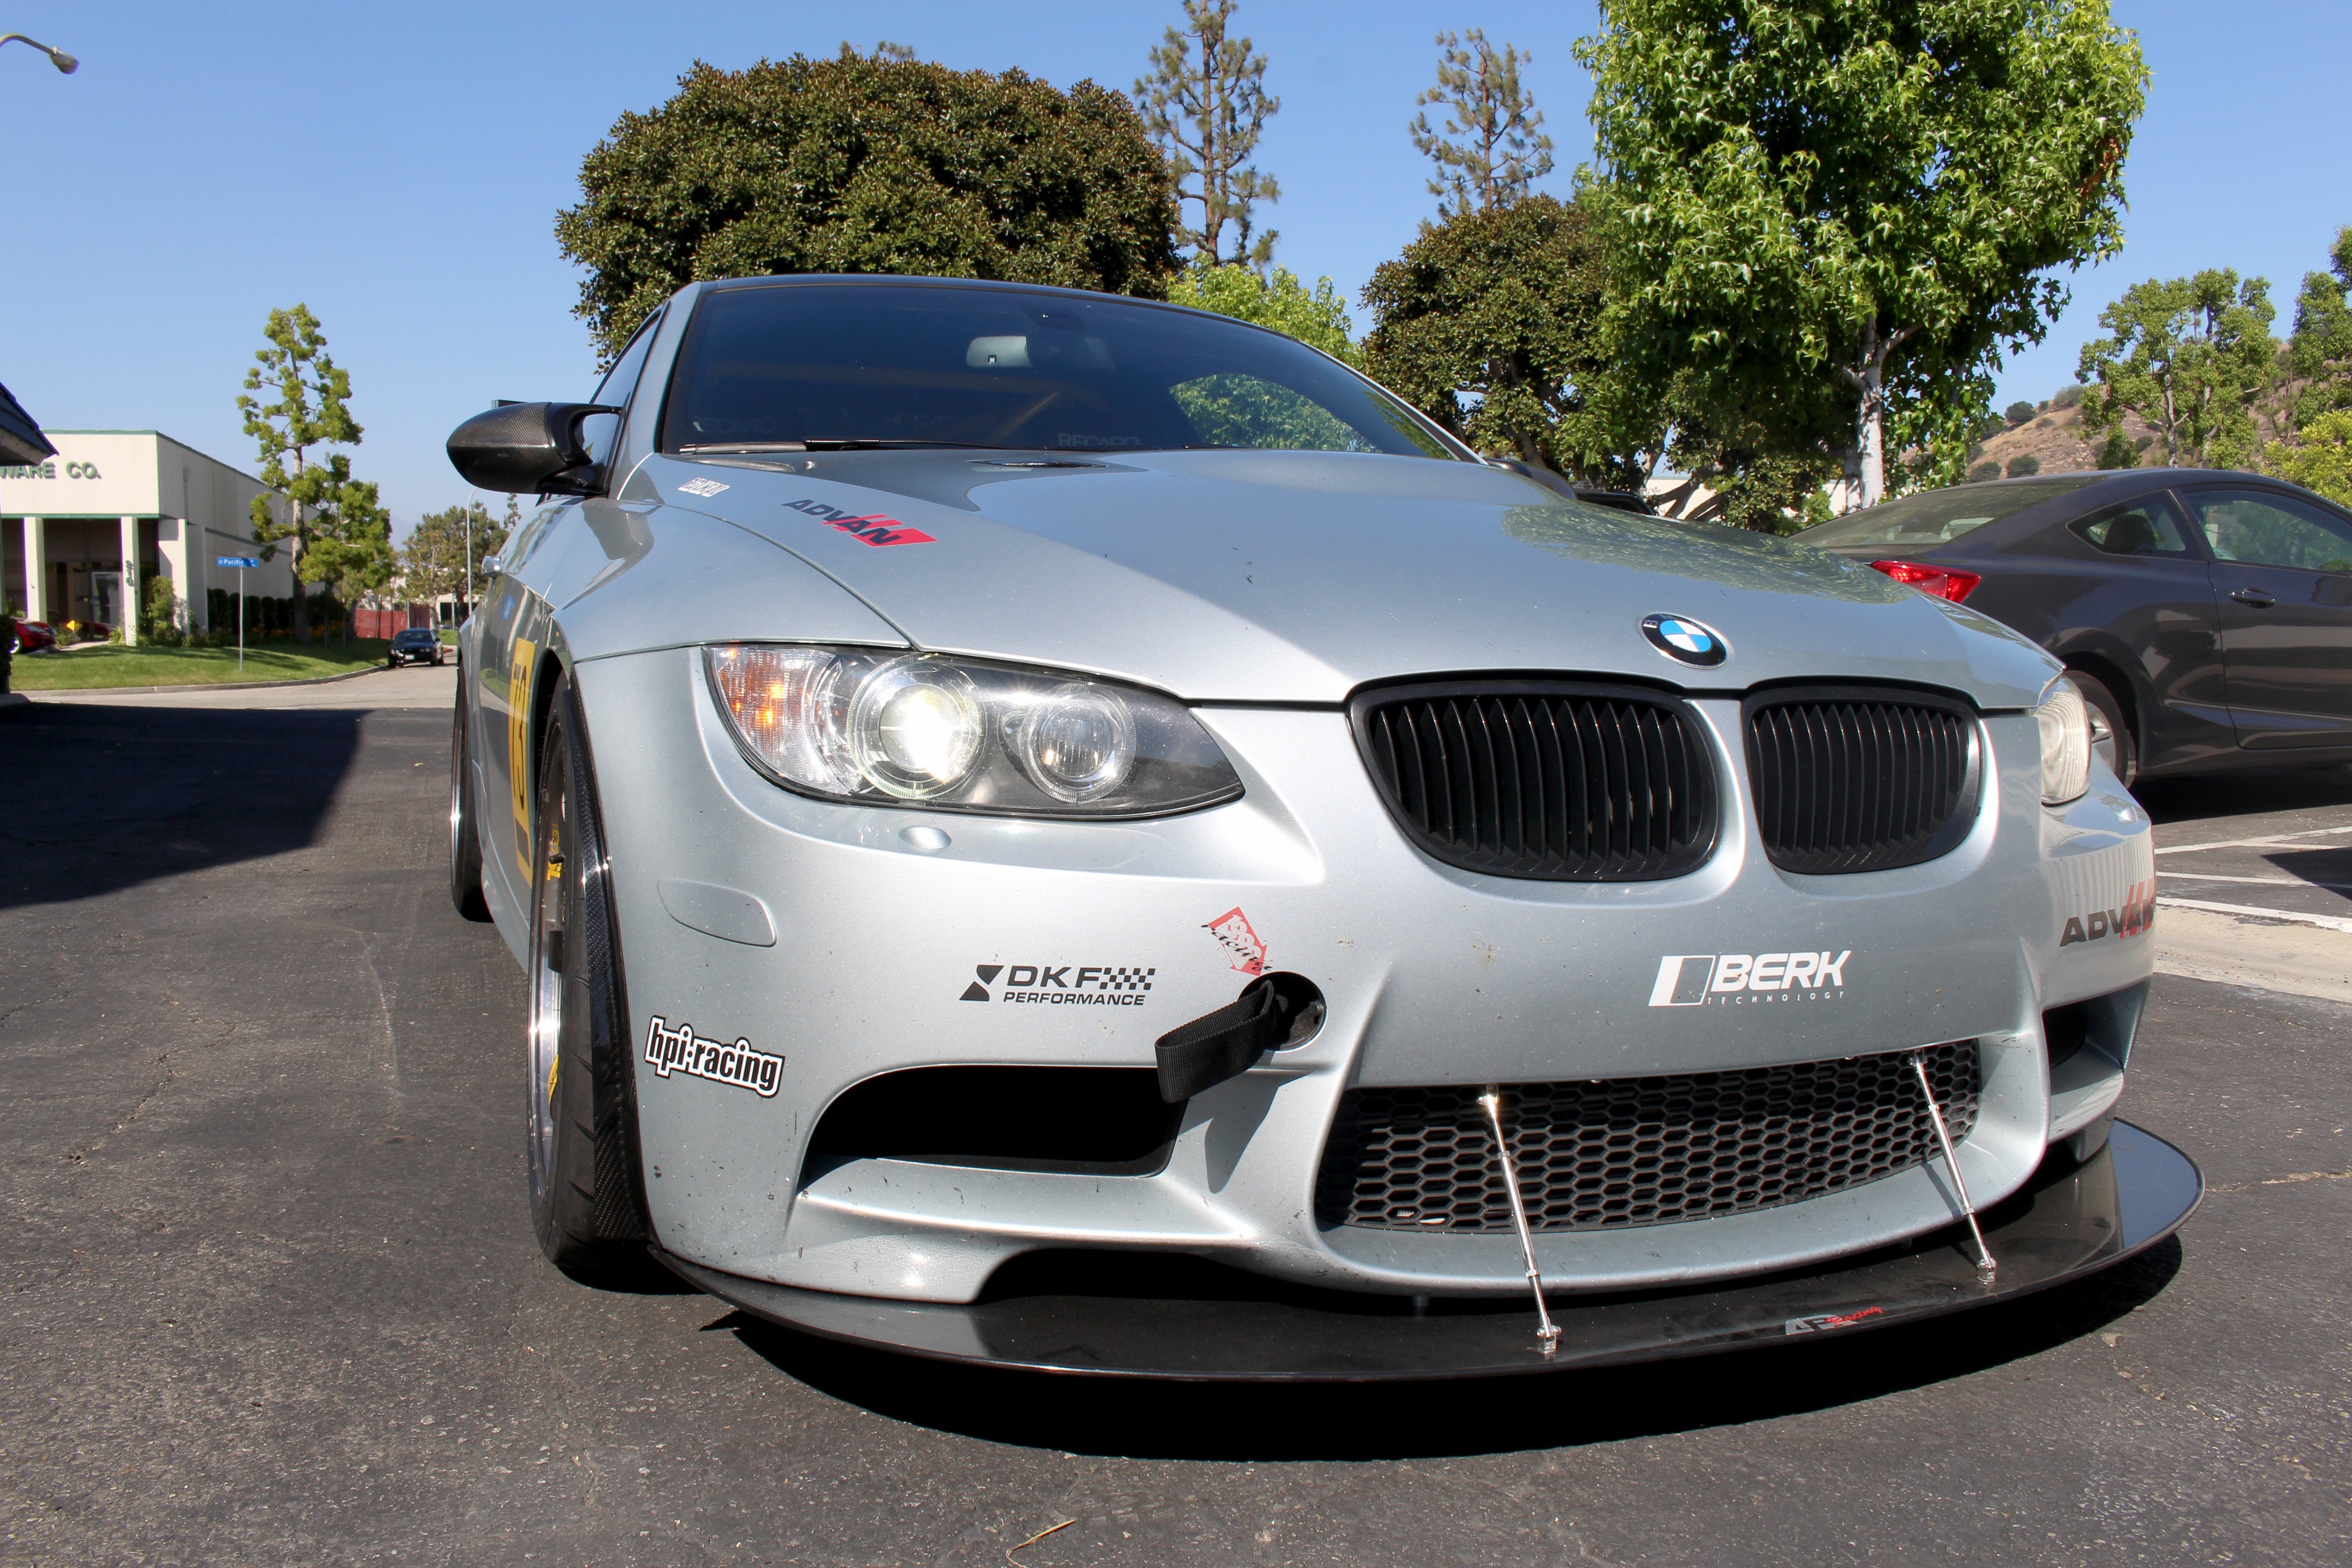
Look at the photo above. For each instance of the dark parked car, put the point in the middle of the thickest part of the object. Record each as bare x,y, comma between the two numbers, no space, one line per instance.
2206,615
417,645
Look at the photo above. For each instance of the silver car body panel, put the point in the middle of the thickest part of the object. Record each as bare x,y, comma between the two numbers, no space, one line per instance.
1266,586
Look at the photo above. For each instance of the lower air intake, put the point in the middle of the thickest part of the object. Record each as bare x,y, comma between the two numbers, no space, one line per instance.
1642,1150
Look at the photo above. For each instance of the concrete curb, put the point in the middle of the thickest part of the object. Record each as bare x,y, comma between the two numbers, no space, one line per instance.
70,691
12,699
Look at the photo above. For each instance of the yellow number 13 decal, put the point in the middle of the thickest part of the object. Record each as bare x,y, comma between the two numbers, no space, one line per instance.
519,746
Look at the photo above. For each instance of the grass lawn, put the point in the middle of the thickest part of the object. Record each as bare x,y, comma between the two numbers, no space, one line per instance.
82,668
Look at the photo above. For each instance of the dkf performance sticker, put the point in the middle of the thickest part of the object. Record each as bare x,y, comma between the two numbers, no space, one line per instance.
2135,917
1696,979
1241,942
703,487
670,1050
874,529
1826,1321
1063,984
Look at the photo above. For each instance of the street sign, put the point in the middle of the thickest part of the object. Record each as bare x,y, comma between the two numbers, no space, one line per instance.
235,560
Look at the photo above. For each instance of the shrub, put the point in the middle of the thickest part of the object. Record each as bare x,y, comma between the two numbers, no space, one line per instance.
1984,471
2022,466
2018,413
1993,425
2067,396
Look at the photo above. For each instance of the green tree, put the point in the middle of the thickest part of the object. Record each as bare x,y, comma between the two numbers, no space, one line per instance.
433,561
2322,458
351,552
1492,149
2190,356
1244,411
1834,216
2320,351
868,164
309,410
1208,115
1317,319
1491,324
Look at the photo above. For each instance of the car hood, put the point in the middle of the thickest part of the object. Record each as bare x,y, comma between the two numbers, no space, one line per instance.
1297,576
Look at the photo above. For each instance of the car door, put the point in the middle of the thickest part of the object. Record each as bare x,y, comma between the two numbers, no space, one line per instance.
2145,603
2282,583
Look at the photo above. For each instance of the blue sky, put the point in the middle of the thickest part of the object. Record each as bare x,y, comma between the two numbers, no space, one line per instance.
399,169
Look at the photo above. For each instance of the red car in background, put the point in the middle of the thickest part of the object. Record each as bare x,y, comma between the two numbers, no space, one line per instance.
32,637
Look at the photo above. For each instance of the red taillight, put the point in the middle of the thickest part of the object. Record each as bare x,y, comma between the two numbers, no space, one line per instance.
1941,581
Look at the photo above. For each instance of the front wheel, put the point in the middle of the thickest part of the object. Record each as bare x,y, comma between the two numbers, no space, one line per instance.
585,1202
2111,733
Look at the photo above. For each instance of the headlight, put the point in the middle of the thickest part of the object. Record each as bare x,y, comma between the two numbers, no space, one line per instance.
876,727
2065,721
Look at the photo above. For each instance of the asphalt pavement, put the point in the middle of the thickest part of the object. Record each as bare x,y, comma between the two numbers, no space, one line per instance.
273,1297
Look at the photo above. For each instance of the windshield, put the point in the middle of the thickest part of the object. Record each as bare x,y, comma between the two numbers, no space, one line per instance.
414,639
1938,517
824,365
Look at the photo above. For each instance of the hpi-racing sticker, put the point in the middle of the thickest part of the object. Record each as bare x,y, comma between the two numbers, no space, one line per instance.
703,487
2137,915
1240,939
1063,984
874,529
1696,979
737,1065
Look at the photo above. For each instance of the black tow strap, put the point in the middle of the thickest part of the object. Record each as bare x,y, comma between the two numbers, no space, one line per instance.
1221,1044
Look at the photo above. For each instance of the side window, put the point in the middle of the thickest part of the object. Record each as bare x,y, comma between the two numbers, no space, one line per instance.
603,431
2144,527
2265,529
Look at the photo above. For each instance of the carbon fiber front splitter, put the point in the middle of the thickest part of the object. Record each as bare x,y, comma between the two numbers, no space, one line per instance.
1214,1324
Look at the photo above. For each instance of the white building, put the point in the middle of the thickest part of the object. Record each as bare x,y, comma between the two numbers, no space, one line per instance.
69,525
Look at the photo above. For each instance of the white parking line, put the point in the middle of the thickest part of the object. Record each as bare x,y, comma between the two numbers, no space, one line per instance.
2329,923
2276,839
2262,882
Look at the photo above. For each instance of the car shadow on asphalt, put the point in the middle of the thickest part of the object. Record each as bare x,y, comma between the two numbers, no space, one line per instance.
2196,797
104,798
1247,1422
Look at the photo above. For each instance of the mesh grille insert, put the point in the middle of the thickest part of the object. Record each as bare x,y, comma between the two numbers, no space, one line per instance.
1636,1152
1860,779
1551,781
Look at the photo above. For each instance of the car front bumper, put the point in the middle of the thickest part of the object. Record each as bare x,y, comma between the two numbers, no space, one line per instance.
2070,1221
850,941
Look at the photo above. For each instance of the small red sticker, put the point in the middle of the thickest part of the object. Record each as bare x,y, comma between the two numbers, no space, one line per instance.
1823,1322
1240,941
873,528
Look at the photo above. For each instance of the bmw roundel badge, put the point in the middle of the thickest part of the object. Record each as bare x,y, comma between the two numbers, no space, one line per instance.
1680,638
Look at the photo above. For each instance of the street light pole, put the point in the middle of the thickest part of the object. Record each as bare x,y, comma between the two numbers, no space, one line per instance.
64,62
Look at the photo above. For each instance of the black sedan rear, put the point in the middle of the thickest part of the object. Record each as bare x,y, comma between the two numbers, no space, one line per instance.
2207,614
417,645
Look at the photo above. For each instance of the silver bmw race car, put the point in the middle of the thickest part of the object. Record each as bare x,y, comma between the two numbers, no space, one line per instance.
1053,829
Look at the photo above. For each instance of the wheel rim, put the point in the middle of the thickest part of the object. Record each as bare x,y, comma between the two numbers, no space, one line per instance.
547,960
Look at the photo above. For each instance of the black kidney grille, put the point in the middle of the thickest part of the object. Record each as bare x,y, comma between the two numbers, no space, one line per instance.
1642,1150
1859,781
1556,784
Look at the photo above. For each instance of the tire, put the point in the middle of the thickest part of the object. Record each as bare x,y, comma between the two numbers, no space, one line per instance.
2111,731
464,840
587,1204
